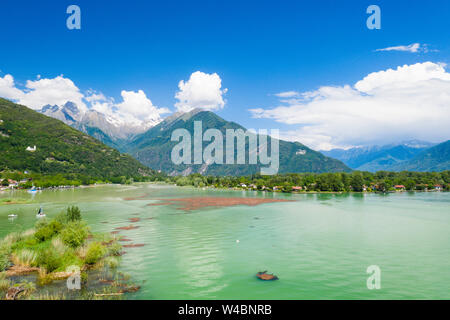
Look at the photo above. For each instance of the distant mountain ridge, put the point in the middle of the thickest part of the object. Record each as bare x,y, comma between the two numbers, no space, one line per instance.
436,158
377,158
153,148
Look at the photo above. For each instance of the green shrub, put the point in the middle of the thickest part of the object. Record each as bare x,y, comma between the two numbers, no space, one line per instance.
75,233
46,232
69,258
73,214
49,259
61,217
30,242
94,252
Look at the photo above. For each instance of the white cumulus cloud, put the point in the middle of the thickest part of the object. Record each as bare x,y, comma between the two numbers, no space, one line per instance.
135,109
56,91
136,106
411,101
8,88
202,90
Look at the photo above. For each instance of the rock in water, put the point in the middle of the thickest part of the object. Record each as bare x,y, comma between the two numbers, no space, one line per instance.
13,292
266,276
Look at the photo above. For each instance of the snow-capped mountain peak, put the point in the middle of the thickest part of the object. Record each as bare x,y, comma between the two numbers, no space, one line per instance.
114,126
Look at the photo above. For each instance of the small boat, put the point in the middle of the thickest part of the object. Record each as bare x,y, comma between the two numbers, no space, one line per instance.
40,213
266,276
32,190
12,215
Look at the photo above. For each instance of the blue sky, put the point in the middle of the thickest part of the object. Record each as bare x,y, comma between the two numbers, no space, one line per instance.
257,48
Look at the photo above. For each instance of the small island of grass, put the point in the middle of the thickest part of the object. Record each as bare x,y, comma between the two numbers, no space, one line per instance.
36,263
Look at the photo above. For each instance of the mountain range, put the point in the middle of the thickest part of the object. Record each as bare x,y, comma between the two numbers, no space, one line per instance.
436,158
151,145
154,147
413,155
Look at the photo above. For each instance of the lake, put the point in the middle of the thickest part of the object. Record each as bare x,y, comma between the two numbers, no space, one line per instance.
319,245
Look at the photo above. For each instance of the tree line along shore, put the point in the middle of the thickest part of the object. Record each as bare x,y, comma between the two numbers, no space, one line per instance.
326,182
355,181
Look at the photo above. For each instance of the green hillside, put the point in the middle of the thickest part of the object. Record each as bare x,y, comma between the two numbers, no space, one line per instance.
154,147
59,148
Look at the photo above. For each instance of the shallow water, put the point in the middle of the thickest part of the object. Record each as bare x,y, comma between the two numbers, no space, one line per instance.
319,245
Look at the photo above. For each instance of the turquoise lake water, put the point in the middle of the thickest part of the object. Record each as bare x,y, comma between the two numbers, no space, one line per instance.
319,245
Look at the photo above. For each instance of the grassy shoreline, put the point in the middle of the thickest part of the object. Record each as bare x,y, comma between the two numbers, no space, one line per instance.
36,261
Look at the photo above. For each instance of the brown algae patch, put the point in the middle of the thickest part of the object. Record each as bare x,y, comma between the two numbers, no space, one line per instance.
130,227
133,245
195,203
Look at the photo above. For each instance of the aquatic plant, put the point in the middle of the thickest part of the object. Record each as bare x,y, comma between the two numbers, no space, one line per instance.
44,278
5,283
59,246
27,286
81,252
115,249
112,262
24,257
